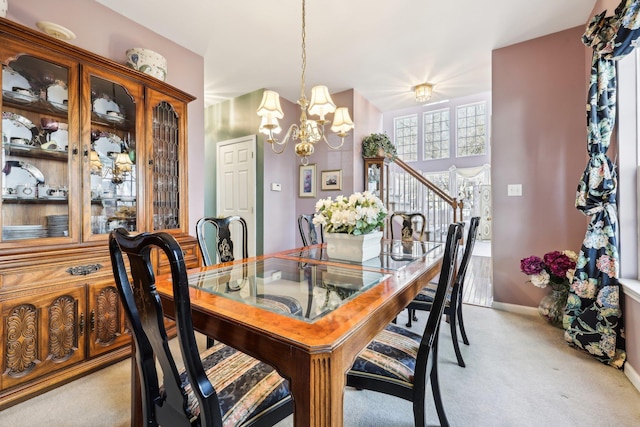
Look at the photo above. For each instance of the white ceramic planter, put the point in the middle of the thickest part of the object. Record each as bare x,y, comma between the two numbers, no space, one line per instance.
353,248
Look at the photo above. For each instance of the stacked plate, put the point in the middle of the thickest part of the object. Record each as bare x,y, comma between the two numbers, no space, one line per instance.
58,225
16,232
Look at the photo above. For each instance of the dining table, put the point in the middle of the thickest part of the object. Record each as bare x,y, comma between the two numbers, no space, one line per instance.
342,306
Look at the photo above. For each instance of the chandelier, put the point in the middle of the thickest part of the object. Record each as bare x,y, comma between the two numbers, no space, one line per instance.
308,131
423,92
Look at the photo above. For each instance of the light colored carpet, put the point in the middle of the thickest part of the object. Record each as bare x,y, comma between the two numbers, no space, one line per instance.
519,373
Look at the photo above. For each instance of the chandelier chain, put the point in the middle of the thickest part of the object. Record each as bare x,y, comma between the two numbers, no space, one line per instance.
304,51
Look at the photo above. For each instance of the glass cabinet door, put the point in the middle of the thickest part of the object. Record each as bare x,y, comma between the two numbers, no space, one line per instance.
110,170
167,174
39,145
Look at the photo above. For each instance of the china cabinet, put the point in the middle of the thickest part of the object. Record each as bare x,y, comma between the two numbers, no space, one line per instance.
88,145
376,177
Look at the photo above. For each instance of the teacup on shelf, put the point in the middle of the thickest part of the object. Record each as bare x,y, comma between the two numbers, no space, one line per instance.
26,191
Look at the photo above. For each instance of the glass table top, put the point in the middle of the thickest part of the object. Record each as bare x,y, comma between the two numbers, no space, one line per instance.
394,254
304,290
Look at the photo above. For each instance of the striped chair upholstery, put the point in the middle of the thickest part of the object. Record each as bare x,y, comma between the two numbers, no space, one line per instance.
400,362
245,386
220,387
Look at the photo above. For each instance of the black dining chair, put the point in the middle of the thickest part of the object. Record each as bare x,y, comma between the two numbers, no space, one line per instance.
309,231
412,225
224,245
218,387
400,362
453,305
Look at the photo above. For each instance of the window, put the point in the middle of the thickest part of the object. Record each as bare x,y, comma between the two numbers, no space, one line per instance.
436,134
406,137
471,130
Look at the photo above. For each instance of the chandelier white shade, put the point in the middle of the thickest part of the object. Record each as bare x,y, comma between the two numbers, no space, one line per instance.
423,92
308,131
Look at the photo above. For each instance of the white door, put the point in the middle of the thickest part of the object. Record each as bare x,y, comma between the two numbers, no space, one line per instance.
236,184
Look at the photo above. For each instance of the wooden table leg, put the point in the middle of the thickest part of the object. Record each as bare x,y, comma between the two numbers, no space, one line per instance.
318,392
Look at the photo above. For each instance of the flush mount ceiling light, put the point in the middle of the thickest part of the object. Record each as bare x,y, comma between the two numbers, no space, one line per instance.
423,92
55,30
308,131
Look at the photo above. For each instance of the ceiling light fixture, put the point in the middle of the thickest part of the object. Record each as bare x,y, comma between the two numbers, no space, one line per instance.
308,131
423,92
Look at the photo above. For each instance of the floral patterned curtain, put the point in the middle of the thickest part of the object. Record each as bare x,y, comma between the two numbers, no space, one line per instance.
593,317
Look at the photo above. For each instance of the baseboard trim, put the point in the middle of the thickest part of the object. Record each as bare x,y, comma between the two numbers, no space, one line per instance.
514,308
633,376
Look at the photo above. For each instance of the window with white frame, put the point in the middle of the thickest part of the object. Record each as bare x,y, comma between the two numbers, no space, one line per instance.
436,134
406,137
471,129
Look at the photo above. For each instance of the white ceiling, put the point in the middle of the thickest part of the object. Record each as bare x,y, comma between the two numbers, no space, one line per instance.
380,48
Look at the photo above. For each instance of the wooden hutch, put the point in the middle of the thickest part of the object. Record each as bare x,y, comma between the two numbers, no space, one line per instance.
88,145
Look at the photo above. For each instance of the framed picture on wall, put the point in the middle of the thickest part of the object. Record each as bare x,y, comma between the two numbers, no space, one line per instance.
331,180
308,181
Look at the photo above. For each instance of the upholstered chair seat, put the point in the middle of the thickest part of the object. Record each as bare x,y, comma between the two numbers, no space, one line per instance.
245,386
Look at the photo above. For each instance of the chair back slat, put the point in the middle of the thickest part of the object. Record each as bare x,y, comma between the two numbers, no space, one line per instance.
412,226
224,243
468,249
308,230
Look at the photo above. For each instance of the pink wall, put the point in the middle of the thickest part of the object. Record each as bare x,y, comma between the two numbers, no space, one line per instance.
539,141
104,32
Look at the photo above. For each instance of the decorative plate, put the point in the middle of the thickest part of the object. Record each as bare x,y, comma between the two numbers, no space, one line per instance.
17,173
58,96
107,143
16,126
12,80
103,104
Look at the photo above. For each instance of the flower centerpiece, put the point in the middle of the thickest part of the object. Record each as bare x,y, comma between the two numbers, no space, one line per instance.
555,270
352,225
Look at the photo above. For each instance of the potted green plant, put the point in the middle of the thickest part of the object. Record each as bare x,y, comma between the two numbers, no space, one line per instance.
378,145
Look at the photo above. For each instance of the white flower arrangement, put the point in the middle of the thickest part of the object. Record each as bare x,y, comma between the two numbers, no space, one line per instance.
360,213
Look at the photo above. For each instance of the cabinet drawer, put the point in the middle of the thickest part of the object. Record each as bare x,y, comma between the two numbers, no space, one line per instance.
56,272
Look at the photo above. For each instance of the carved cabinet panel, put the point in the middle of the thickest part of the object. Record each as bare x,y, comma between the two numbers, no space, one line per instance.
41,334
106,322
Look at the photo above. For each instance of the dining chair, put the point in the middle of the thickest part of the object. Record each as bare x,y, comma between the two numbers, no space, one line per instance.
224,245
218,387
453,305
400,362
412,225
309,231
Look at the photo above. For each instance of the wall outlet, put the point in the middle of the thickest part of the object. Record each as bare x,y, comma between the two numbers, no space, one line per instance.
276,187
514,190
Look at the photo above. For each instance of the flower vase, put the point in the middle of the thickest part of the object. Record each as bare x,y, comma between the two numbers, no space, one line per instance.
552,306
348,247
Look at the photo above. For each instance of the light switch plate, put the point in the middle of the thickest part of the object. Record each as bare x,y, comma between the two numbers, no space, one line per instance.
514,190
276,187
